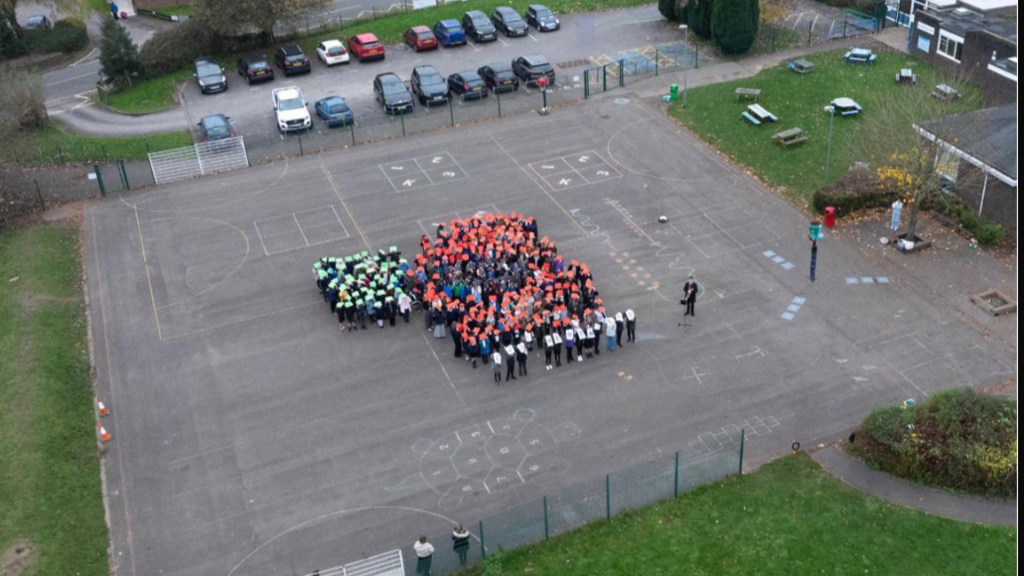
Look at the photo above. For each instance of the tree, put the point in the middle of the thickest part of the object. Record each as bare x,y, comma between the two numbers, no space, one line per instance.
668,9
228,17
734,24
697,14
21,99
76,8
901,158
119,56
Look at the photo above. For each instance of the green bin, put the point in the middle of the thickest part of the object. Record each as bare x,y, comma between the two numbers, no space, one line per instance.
674,92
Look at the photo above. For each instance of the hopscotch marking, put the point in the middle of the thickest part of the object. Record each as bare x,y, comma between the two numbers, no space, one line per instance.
298,227
794,306
574,170
771,255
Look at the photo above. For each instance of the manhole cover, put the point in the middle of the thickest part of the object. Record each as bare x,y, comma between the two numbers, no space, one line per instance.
621,101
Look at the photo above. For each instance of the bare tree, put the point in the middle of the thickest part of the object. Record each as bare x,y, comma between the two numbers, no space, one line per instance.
21,99
898,155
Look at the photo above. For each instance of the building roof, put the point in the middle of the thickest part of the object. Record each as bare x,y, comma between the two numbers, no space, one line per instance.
961,21
988,135
986,5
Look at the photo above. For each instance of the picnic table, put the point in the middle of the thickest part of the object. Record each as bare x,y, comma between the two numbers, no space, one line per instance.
945,92
860,56
755,92
800,66
789,137
761,114
846,106
906,76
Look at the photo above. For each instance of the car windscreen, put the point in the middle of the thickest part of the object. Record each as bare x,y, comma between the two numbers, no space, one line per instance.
544,13
258,64
513,18
371,45
471,78
290,104
218,130
338,108
394,87
336,51
207,69
424,35
295,58
431,79
481,22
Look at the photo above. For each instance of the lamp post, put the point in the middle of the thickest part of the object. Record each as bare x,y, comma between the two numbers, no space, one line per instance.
686,39
828,152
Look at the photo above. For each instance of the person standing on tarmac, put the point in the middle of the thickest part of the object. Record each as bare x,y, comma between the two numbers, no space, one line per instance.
549,345
521,358
630,326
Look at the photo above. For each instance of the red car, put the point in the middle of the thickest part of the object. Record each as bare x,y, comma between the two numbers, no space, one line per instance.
366,47
420,38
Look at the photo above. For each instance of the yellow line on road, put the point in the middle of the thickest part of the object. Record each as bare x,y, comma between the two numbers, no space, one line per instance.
330,180
149,279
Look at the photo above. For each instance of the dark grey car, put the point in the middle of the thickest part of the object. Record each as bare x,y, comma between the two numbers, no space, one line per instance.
392,93
429,86
209,75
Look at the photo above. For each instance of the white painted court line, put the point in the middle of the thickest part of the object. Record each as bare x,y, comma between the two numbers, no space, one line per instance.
532,37
299,226
260,236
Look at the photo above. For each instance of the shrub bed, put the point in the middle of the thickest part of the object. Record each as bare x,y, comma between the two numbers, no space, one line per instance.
68,35
854,191
957,439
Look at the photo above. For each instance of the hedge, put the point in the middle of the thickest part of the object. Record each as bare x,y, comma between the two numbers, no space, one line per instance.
174,48
68,35
957,439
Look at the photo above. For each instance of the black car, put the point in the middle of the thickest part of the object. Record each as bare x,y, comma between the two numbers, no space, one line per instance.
209,75
499,77
292,60
255,68
478,26
509,21
392,93
467,84
429,86
542,18
531,68
215,128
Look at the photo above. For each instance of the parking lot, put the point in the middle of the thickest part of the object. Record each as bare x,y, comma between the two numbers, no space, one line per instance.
579,43
252,437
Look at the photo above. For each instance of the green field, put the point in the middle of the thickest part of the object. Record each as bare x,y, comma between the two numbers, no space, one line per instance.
798,101
149,95
49,466
788,518
52,145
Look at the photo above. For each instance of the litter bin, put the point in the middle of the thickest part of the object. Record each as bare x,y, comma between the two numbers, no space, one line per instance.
830,216
674,92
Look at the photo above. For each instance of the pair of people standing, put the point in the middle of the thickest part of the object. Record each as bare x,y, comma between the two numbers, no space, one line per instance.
425,550
514,355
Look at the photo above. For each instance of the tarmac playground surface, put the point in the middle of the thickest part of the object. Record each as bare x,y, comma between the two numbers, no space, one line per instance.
252,437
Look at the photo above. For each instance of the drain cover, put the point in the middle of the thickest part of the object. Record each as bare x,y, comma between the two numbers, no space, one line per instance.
621,101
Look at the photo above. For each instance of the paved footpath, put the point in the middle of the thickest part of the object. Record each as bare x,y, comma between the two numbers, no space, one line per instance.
930,500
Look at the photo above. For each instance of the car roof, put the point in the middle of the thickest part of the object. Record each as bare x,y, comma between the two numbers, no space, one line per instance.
498,66
469,74
291,49
389,76
476,14
254,57
450,23
425,68
365,37
204,60
331,43
290,92
420,29
330,100
537,7
506,10
534,59
214,120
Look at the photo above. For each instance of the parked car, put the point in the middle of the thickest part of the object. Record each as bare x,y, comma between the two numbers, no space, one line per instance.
531,68
366,47
38,22
332,52
292,60
215,127
509,21
478,26
255,68
468,84
420,38
290,108
499,77
449,33
542,18
429,86
392,93
334,111
209,75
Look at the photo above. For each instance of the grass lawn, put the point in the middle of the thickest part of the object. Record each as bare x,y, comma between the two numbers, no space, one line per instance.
176,10
41,146
799,101
788,518
158,93
49,468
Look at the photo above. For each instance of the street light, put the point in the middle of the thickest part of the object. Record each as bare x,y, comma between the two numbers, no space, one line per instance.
686,40
828,153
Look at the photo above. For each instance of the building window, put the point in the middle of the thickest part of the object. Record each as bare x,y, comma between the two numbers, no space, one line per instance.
947,165
950,46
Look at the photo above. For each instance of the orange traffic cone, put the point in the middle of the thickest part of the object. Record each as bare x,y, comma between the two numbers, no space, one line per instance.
104,435
102,407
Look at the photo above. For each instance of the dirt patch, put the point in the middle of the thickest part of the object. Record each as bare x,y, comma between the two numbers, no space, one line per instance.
28,301
17,558
60,212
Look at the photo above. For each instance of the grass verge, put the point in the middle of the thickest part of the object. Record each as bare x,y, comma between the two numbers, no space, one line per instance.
158,93
52,145
799,101
788,518
49,469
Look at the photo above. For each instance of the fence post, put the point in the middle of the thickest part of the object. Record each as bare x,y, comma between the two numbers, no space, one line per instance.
675,484
42,204
99,179
124,175
846,19
743,441
622,73
497,95
773,39
147,148
300,146
451,110
547,528
586,83
696,57
483,548
655,61
607,497
352,130
403,124
604,81
810,28
60,154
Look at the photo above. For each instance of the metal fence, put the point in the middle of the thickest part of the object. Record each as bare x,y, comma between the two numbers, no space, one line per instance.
783,35
630,66
198,160
575,506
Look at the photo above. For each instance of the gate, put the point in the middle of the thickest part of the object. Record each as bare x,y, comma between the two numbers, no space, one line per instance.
386,564
855,23
198,160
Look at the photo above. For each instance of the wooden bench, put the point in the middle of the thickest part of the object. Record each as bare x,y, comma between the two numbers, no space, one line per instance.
750,118
789,137
859,56
761,114
747,92
945,92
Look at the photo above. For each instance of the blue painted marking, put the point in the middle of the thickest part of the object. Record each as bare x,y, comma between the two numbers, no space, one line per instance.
778,259
882,279
788,316
768,253
793,308
867,280
799,300
788,265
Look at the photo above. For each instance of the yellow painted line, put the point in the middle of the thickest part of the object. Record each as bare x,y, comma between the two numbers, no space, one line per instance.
149,279
330,180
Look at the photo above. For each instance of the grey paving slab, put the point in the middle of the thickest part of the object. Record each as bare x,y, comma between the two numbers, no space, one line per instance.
252,437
